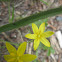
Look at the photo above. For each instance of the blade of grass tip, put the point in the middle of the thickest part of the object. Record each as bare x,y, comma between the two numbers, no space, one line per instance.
10,42
12,14
44,2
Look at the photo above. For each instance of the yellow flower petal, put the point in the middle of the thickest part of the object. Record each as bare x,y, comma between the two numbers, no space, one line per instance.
36,44
35,28
42,28
12,61
21,49
45,42
30,36
19,60
28,57
47,34
10,48
9,58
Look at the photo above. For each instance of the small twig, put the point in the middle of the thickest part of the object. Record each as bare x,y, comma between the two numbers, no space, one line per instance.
53,58
27,47
18,4
59,57
52,26
30,48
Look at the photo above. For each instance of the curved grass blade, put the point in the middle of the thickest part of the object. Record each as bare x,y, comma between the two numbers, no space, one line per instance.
32,18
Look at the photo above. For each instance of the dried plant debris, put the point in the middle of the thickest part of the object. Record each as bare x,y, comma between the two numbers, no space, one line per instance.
22,9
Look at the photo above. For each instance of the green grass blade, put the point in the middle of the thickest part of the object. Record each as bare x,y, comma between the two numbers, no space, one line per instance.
32,18
44,2
13,14
9,11
11,19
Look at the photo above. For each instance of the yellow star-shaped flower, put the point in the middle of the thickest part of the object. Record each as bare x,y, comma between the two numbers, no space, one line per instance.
18,56
39,35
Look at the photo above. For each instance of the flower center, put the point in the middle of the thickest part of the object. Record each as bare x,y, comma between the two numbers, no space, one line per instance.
12,54
38,36
19,59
